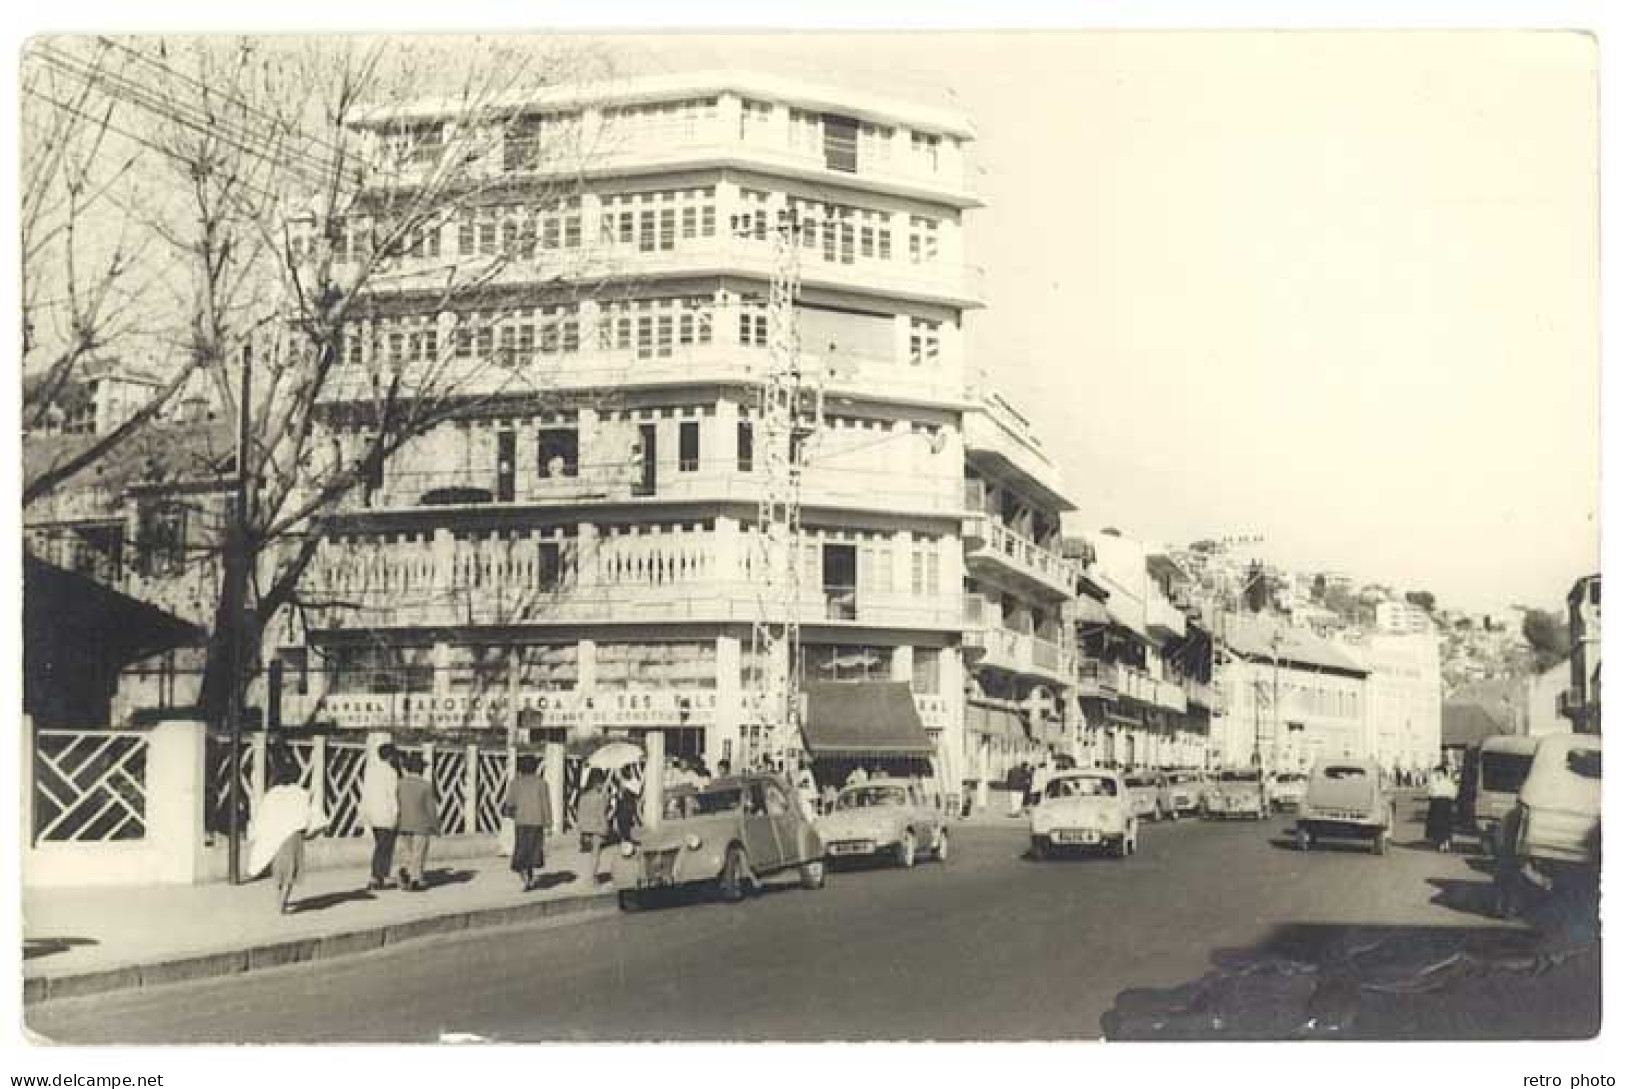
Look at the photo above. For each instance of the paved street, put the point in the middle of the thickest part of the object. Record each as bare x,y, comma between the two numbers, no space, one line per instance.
990,946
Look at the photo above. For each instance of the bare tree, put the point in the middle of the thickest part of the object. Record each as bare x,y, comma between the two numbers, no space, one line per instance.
84,286
317,195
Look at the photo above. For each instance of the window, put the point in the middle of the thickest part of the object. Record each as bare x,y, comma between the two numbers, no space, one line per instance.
688,446
753,323
479,668
558,453
755,118
747,447
927,670
840,143
654,326
549,565
924,147
681,664
846,663
656,220
922,240
752,221
418,144
505,466
560,329
924,568
924,341
380,670
874,142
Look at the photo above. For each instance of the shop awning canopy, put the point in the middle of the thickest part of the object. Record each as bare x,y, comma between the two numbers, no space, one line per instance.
1000,722
864,718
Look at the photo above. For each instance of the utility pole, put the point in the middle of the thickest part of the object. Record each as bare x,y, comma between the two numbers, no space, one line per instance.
235,592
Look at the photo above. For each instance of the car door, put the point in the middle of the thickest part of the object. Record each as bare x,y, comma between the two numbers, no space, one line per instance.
756,827
782,820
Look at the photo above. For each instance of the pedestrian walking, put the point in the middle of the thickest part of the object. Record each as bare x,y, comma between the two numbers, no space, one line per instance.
1441,807
828,797
287,816
532,817
807,791
624,809
1040,780
419,821
592,815
1019,778
380,808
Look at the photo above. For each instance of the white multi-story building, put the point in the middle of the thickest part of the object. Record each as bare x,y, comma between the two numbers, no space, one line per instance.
583,557
1290,697
1403,618
1404,697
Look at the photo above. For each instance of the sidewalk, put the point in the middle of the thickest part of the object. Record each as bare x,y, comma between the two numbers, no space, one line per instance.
85,941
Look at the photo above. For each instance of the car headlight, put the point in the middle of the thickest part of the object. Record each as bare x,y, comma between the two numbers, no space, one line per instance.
692,842
627,849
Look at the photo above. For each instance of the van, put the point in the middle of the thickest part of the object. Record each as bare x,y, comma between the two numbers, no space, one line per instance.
1556,825
1345,800
1492,775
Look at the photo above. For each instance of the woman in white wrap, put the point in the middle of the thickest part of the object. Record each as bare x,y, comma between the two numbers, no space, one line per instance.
380,808
287,816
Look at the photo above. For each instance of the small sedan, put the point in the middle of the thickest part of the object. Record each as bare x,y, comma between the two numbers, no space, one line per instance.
1147,794
884,818
1185,793
1084,809
729,836
1289,791
1239,792
1345,800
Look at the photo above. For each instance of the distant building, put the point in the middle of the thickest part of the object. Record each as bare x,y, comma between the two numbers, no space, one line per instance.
1546,694
1404,698
1583,704
1402,618
95,398
1290,697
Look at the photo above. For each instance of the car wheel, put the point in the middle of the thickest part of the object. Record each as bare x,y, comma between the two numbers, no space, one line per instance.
942,846
1303,840
906,851
1040,848
812,875
733,880
629,900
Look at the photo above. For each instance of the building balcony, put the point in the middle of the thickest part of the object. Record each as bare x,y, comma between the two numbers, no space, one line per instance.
414,499
543,377
990,645
1002,444
990,546
1130,683
1170,696
1162,619
1201,694
941,281
708,601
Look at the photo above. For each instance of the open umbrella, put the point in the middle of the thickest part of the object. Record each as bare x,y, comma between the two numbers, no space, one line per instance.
615,755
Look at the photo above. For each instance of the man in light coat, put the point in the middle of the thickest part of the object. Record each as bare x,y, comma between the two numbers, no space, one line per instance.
380,805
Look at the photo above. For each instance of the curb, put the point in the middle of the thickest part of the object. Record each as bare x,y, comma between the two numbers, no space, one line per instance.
303,950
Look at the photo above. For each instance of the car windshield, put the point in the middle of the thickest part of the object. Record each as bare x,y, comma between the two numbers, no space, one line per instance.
1337,773
1139,781
716,801
867,796
1238,777
1081,786
1503,772
1290,779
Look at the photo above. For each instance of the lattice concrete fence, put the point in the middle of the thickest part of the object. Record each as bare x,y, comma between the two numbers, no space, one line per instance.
153,806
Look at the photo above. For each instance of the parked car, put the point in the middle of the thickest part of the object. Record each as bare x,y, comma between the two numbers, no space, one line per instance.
1491,776
1185,790
1344,799
1147,794
1556,825
884,818
1288,791
1236,792
1084,809
730,835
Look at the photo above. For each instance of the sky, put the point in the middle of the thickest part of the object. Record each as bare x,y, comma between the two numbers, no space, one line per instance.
1337,290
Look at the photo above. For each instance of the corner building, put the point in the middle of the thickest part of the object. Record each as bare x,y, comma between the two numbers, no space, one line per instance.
578,556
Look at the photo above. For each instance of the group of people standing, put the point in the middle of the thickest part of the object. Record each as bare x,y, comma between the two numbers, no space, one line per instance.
398,807
1027,783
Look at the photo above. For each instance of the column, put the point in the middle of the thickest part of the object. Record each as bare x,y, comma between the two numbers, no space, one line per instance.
722,739
471,788
654,778
553,772
176,784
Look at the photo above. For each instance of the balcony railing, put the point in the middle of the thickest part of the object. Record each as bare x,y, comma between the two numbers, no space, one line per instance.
1026,557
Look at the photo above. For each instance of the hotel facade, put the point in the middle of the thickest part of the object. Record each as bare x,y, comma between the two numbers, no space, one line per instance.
579,556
